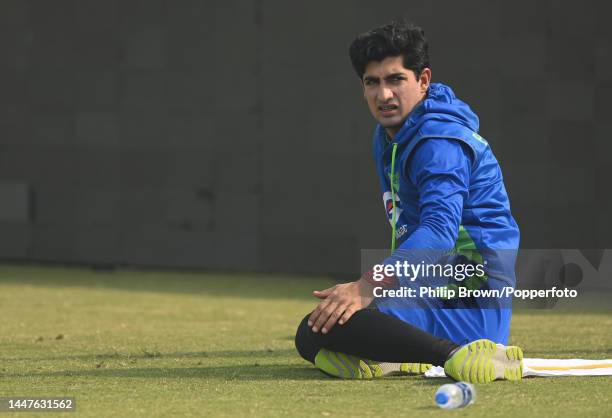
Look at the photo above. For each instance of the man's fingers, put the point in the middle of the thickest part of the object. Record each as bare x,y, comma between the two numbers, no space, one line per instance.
315,314
333,318
323,317
347,315
322,294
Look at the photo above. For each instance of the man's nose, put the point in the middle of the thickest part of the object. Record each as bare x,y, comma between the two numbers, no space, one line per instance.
384,94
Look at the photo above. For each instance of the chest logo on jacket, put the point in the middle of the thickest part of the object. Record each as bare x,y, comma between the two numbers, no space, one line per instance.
401,230
388,202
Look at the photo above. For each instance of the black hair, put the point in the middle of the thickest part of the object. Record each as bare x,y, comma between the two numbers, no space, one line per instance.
399,37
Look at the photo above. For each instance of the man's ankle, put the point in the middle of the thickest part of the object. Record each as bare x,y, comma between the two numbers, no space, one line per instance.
452,352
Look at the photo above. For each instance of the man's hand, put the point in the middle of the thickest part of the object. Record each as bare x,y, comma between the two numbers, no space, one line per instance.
339,303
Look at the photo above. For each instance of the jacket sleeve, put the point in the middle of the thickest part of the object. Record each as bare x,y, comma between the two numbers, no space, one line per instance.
440,169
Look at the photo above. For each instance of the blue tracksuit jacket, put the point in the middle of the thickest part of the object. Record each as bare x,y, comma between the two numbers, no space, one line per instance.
449,196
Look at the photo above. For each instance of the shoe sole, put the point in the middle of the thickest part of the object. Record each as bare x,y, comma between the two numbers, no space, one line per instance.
483,361
414,368
346,366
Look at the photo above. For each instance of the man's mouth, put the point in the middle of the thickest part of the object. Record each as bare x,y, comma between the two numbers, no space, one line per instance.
387,109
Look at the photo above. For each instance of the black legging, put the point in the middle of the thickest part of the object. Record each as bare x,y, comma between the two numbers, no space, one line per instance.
376,336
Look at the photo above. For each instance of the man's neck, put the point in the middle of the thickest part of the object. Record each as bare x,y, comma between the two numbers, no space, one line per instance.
391,132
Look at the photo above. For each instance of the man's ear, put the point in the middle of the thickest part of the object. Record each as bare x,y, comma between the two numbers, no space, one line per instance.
425,79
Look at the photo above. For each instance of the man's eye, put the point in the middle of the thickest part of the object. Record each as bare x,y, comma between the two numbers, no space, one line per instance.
397,79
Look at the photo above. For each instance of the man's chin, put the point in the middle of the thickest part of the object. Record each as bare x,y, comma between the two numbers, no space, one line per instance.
392,124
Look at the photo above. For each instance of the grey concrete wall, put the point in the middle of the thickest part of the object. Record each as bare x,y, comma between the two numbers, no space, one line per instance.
232,134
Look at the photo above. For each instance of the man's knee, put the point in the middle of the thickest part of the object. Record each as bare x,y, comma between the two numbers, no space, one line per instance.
305,341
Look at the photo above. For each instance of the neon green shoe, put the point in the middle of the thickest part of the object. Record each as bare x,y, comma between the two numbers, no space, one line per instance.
347,366
414,368
483,361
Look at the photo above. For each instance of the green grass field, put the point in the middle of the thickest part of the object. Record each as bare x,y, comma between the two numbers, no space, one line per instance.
192,344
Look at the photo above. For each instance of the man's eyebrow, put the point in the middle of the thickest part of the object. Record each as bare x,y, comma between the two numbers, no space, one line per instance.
387,77
395,75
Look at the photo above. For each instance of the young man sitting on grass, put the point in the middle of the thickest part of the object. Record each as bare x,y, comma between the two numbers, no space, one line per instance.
445,199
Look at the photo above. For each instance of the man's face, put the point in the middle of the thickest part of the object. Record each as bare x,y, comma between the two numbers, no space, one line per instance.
392,91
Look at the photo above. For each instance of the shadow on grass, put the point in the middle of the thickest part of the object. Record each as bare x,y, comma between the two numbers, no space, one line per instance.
143,354
243,285
243,372
227,373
